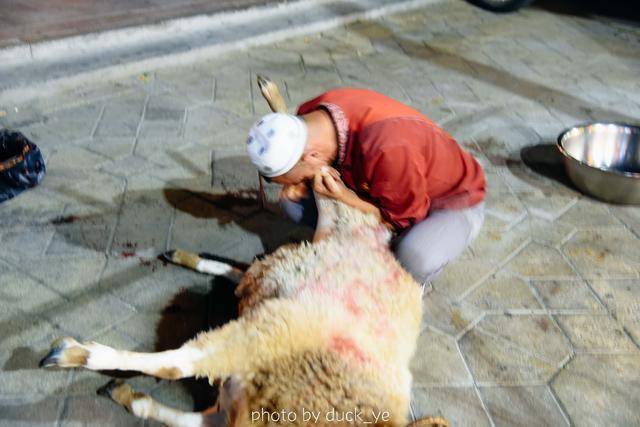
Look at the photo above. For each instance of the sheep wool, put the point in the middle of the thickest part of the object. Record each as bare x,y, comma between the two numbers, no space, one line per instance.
333,327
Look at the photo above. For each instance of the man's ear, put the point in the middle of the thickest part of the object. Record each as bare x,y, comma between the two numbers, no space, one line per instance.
313,157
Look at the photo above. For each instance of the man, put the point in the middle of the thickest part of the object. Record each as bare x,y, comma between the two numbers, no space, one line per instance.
382,157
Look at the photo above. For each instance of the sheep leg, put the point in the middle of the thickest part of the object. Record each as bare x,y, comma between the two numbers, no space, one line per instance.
170,364
145,407
230,411
271,94
206,266
326,217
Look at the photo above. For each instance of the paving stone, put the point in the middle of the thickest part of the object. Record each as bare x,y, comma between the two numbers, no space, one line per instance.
75,123
79,237
462,275
163,118
36,206
448,315
105,311
437,362
604,253
143,224
195,158
233,172
530,406
629,215
496,361
580,389
537,334
544,205
142,328
121,116
566,295
197,216
590,214
96,411
194,86
595,333
68,275
127,166
622,298
25,293
205,124
113,148
538,261
148,284
74,157
503,292
496,184
233,90
25,242
309,85
29,411
179,180
460,406
494,224
25,340
496,247
549,233
176,395
91,194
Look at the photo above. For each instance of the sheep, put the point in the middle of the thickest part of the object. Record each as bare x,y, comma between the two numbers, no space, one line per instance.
325,336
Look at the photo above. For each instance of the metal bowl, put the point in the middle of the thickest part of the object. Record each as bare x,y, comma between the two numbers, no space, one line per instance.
603,159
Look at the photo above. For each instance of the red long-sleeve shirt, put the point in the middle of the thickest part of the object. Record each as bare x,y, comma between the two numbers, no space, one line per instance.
396,158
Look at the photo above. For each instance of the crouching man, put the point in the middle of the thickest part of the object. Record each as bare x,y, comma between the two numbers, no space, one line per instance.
380,156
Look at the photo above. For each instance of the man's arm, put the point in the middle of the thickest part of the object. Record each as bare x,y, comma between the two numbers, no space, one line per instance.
329,183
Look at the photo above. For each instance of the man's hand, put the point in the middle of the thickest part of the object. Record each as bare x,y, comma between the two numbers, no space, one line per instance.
327,182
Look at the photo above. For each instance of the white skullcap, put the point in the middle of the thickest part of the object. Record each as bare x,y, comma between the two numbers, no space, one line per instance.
276,143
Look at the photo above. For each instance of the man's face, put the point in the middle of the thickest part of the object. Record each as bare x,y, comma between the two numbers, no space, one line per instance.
303,171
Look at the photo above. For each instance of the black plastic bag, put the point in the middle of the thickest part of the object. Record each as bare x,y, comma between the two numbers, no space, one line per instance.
21,164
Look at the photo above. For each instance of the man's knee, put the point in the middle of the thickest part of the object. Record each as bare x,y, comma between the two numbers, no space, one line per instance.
425,249
421,264
292,209
303,211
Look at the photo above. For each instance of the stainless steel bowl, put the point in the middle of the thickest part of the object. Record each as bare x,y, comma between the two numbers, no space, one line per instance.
603,159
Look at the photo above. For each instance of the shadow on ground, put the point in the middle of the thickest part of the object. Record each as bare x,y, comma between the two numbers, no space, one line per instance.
545,160
190,313
617,9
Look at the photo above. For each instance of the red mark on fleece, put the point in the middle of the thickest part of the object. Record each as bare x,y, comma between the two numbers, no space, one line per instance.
393,280
351,301
347,347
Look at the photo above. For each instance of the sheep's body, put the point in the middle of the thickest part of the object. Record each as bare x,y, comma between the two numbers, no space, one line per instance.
326,328
344,317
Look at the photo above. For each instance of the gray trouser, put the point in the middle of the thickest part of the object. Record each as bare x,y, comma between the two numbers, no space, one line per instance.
424,249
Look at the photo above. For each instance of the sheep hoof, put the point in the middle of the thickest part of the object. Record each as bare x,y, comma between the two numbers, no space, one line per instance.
65,353
120,392
263,81
167,256
183,258
108,389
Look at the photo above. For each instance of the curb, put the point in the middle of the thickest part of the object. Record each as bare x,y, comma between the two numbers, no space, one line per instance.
30,71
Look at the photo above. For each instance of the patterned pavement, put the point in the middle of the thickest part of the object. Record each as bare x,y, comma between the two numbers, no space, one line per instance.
538,323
